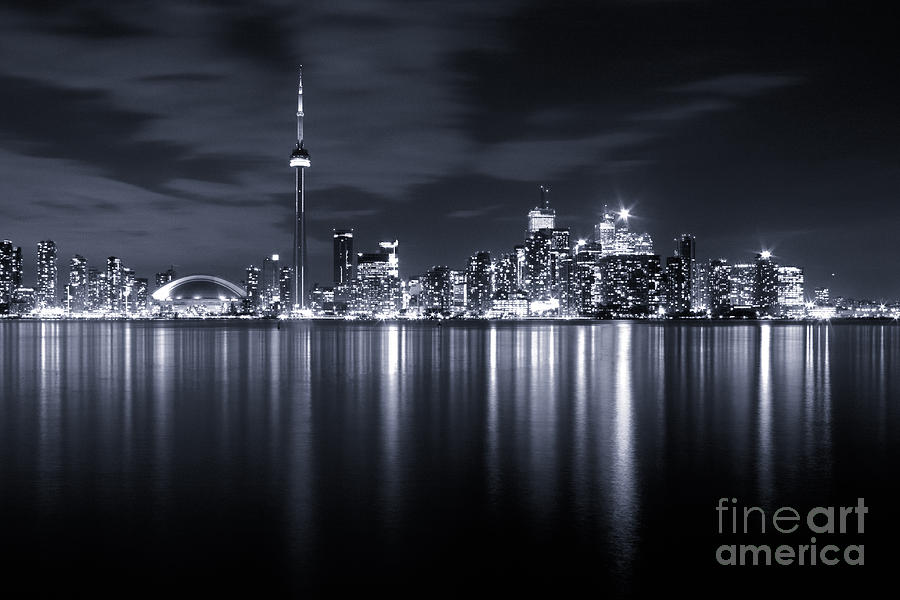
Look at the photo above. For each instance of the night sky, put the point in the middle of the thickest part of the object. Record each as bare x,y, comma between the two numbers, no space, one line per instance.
160,132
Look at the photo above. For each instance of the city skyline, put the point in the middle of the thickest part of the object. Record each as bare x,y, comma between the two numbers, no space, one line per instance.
182,161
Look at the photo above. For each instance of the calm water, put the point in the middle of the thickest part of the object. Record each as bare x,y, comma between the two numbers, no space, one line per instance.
334,457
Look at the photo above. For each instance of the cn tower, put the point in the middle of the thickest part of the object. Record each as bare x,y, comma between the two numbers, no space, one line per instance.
299,162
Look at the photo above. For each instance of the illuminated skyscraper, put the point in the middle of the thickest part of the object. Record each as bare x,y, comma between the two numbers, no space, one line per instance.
632,282
791,302
390,250
77,291
437,290
115,289
542,217
299,162
742,285
478,283
678,285
605,231
253,289
10,271
719,287
46,294
285,287
766,283
343,255
537,265
166,276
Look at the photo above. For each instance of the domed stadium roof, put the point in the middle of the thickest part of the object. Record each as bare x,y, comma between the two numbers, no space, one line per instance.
199,287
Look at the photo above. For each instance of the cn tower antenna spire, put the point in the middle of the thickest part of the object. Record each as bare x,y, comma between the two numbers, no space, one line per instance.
300,109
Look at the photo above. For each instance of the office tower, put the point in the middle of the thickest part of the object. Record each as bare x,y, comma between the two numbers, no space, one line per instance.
587,279
719,287
390,250
299,162
115,285
561,268
822,296
376,290
10,271
77,294
128,285
436,290
45,293
542,217
478,283
253,289
791,301
700,287
686,247
342,255
285,288
165,277
95,300
765,283
631,283
742,285
605,231
140,294
537,265
459,292
506,277
521,265
678,285
271,283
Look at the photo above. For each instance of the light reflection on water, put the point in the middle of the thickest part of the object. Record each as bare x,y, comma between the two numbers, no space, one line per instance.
416,444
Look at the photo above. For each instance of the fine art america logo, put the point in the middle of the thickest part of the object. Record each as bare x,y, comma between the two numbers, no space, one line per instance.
752,521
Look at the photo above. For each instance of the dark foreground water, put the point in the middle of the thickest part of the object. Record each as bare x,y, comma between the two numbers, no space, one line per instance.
219,458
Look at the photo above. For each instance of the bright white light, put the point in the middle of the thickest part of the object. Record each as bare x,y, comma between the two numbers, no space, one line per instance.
766,254
274,257
625,213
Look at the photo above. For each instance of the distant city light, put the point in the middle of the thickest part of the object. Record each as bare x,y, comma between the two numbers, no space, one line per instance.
625,213
765,254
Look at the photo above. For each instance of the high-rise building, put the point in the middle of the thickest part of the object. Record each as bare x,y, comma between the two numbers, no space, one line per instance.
46,291
299,162
77,292
252,282
140,294
587,279
459,292
605,231
506,277
822,296
478,283
719,287
390,250
791,301
95,299
766,283
10,271
164,277
538,276
700,286
437,290
632,282
742,285
542,217
342,240
678,285
129,282
376,290
271,283
285,286
115,285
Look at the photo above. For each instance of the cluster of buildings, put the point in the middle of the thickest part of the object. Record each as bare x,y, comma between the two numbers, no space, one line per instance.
614,274
112,289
